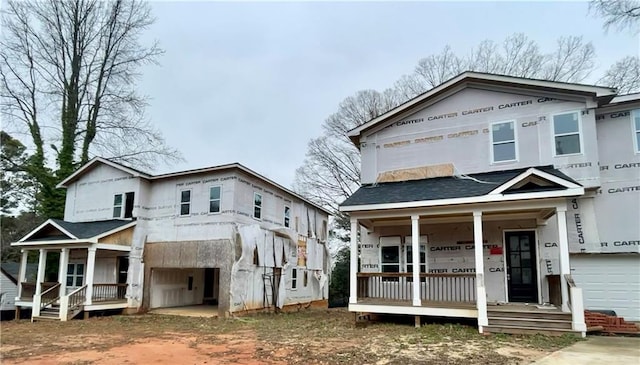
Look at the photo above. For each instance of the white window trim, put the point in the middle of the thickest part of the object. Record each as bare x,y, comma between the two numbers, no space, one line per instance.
388,244
123,197
554,135
294,280
219,199
408,247
635,132
254,206
180,202
515,142
284,216
75,262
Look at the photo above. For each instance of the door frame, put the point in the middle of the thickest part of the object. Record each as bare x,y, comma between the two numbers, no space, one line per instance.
536,263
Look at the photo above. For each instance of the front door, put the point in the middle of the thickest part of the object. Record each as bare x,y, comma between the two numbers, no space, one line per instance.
521,266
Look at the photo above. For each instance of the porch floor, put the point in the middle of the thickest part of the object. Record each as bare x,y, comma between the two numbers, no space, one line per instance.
202,310
408,303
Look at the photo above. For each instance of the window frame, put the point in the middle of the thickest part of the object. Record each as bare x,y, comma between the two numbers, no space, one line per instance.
75,275
408,252
514,141
286,220
121,206
219,199
180,202
636,131
294,278
382,264
257,206
579,132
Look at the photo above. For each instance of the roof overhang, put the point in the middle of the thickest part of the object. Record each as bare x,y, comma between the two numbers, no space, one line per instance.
95,162
48,222
71,239
599,94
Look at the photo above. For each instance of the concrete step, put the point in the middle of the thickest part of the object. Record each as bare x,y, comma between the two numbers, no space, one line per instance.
530,322
520,330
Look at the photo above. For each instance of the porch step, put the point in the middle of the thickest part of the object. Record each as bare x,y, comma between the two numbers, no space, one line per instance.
521,330
530,323
529,314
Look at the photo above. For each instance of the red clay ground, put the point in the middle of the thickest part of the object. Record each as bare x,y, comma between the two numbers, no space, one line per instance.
307,337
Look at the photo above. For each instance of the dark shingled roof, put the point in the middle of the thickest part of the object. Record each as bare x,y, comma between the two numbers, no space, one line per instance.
441,187
90,229
12,269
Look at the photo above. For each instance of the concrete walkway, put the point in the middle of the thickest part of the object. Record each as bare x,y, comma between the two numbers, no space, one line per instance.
608,350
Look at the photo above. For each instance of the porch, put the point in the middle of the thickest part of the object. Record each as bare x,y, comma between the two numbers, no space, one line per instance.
74,274
468,257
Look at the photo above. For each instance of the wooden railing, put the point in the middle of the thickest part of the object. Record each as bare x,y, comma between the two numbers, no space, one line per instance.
458,288
50,296
27,291
108,292
76,298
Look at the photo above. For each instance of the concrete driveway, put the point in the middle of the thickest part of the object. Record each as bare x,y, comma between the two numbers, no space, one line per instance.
597,350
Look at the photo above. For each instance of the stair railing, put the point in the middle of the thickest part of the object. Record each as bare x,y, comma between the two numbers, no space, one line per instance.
71,304
50,296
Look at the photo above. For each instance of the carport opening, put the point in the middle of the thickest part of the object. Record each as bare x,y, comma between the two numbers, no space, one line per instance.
181,287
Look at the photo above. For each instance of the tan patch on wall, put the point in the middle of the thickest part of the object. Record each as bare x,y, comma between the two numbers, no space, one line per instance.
123,238
417,173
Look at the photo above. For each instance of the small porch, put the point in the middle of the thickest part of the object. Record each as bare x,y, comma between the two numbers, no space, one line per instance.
75,274
480,257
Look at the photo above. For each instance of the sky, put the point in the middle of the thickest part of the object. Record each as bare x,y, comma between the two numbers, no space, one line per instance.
253,82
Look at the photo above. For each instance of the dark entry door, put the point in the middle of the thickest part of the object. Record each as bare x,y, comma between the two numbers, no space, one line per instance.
521,267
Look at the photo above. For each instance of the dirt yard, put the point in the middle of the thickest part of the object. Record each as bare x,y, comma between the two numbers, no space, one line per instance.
306,337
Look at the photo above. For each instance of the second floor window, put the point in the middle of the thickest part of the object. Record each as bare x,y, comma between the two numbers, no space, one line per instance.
503,142
566,133
636,128
123,205
287,216
214,199
257,206
185,202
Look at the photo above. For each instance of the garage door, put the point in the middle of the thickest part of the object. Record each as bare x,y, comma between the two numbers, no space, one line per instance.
609,282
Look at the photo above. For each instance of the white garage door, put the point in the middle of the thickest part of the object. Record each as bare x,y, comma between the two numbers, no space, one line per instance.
609,282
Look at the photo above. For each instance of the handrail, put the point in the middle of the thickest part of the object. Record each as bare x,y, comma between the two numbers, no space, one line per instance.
49,299
77,297
410,275
108,292
569,280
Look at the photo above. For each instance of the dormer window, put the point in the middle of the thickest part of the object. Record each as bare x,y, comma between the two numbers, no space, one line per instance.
123,205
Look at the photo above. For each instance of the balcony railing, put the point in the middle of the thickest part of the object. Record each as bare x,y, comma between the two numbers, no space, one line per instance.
108,292
456,288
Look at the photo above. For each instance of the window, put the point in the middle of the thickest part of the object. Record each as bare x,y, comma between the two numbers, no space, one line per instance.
287,216
423,261
635,119
390,260
566,132
503,142
117,205
257,206
123,205
306,279
185,202
214,199
294,278
75,275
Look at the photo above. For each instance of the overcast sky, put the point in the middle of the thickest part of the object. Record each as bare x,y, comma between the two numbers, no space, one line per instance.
253,82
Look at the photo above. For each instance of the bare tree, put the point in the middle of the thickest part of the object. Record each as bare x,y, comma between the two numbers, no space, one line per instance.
621,14
331,170
624,75
68,70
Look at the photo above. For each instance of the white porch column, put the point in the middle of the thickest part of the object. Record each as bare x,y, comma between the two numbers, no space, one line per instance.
481,292
22,275
415,258
42,262
563,242
62,271
91,266
353,268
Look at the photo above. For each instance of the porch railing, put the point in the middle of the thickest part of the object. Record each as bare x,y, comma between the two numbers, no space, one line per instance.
576,306
29,289
76,298
108,292
50,296
458,288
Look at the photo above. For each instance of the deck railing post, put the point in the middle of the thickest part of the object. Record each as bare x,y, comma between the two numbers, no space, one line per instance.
62,270
91,266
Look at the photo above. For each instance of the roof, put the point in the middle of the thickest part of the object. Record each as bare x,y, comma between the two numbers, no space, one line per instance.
231,166
84,230
443,187
12,269
602,94
622,101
